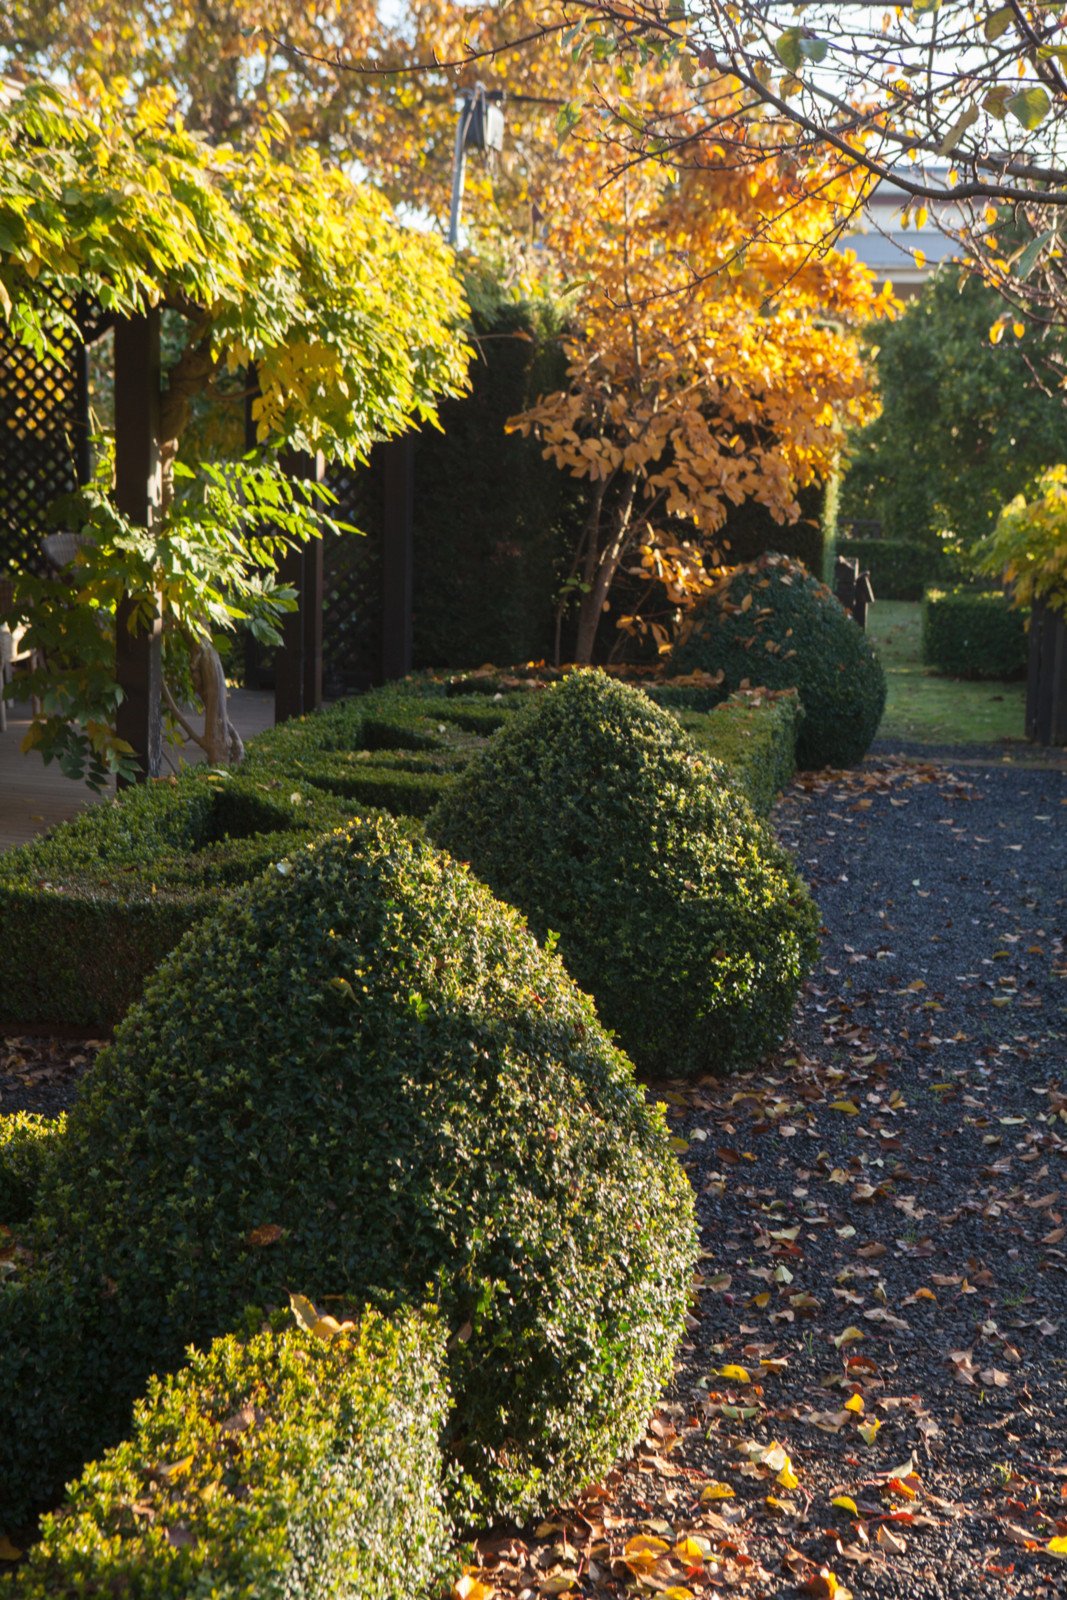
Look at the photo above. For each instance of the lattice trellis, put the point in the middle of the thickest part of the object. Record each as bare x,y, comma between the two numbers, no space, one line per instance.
44,434
42,410
352,603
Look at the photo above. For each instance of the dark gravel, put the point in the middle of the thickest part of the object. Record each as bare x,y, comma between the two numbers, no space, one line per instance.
897,1171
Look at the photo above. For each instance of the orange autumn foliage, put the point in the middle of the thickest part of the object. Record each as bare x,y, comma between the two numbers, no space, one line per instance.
713,359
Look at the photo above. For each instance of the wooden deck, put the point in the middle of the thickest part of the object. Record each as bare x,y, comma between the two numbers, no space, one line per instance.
35,798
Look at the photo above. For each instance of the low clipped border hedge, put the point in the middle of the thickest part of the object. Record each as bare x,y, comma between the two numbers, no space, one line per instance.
26,1140
288,1466
973,633
101,900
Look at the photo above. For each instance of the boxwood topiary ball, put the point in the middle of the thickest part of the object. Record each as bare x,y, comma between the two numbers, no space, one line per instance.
774,624
674,906
364,1079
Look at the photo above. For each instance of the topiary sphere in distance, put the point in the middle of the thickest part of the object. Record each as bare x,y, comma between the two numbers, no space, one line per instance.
363,1078
674,906
773,624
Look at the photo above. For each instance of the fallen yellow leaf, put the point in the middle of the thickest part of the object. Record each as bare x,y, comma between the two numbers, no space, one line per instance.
855,1403
735,1374
470,1587
1055,1547
848,1336
845,1502
869,1430
717,1491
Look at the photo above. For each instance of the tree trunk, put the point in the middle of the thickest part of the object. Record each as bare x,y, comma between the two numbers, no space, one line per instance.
220,740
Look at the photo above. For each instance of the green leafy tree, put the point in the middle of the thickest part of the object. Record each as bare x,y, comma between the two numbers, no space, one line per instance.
351,323
965,423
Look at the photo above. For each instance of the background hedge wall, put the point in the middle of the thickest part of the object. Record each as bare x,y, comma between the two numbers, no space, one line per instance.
973,633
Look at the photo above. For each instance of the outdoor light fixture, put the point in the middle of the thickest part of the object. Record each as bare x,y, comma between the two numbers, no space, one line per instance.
480,126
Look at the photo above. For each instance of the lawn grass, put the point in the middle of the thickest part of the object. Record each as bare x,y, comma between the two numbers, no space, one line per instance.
928,709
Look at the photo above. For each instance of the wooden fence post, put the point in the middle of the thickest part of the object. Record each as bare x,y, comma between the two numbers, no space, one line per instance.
138,656
1046,684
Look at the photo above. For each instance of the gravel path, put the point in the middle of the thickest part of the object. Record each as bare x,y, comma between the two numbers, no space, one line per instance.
882,1312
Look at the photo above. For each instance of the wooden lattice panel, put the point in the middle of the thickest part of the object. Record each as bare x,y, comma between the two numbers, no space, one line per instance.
352,602
41,411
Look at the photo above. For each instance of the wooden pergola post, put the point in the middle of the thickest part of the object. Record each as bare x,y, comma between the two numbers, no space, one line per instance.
138,483
298,682
398,555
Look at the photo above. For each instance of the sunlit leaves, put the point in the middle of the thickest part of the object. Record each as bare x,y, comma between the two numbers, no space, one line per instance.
1029,106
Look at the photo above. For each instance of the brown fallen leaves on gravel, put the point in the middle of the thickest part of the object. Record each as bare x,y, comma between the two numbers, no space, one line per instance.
871,1397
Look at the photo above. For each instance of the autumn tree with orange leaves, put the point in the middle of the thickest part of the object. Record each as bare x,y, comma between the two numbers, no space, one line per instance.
713,360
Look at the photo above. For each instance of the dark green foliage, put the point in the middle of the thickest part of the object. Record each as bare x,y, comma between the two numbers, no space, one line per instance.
674,907
750,531
283,1467
774,624
370,1058
965,424
100,901
973,633
493,519
900,569
26,1144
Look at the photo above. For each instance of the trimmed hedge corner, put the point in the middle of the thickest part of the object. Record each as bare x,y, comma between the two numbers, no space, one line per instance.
754,735
773,624
673,905
27,1142
286,1467
364,1077
973,633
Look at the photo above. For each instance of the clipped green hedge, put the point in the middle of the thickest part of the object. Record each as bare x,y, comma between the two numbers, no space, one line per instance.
754,735
773,624
285,1467
27,1142
673,905
364,1077
101,900
900,569
973,633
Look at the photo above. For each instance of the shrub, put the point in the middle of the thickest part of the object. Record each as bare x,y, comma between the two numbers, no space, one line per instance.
754,735
362,1076
900,569
26,1144
100,901
773,624
284,1467
674,907
973,633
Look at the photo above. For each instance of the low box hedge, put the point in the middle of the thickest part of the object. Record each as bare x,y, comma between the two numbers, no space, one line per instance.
26,1141
101,900
973,633
900,569
287,1466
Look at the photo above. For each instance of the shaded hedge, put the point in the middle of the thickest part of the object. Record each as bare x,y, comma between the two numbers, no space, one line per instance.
773,624
900,569
100,901
974,633
284,1467
26,1144
364,1077
674,907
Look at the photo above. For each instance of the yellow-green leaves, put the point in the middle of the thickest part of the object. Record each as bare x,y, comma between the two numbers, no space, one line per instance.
1030,106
